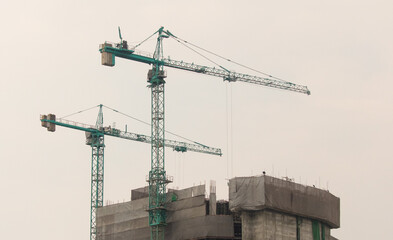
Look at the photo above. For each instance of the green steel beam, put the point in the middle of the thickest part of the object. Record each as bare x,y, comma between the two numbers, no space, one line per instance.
108,131
96,141
84,128
97,181
128,54
157,175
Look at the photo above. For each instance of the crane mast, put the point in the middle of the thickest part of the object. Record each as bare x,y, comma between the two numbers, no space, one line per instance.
157,174
97,173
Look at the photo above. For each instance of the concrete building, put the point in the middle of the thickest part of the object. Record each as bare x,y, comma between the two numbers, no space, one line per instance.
272,208
260,207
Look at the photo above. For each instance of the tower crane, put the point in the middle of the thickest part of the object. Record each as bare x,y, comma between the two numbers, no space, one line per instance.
155,78
95,138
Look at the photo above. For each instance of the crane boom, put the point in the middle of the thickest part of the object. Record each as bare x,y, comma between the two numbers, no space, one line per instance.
109,131
110,50
234,76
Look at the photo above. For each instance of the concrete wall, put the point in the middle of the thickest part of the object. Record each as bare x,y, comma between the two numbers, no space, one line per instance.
265,192
139,193
189,192
270,225
266,225
306,230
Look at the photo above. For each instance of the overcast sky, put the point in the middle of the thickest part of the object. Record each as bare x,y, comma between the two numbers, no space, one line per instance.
338,138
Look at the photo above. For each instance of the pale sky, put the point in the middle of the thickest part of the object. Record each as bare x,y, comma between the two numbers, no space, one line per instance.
338,138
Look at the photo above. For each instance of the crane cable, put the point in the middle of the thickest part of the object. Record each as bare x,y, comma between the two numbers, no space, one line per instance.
180,41
229,129
184,42
227,126
227,59
201,55
136,119
144,40
146,123
80,111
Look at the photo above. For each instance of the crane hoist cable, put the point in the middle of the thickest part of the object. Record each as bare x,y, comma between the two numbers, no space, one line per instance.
229,129
226,128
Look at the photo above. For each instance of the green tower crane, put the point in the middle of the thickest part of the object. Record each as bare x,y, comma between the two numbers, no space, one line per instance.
156,75
95,139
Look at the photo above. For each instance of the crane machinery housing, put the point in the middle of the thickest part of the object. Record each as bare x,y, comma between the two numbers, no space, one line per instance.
156,75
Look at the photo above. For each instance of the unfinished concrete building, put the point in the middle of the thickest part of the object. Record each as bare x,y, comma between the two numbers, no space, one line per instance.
272,208
259,208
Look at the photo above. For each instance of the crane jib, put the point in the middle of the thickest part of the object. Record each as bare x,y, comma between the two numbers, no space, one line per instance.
49,121
109,52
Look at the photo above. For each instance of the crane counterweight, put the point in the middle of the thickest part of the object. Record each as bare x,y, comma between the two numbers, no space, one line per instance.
47,124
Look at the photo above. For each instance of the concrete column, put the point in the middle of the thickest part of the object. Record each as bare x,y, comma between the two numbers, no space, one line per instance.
212,198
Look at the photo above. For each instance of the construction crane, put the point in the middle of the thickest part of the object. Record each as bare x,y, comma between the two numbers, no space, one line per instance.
95,138
155,77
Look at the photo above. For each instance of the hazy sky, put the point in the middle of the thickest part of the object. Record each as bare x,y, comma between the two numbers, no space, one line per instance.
339,137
